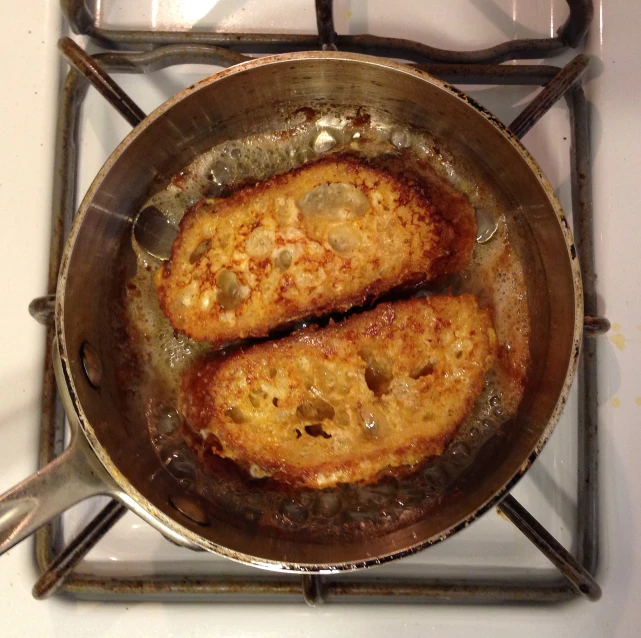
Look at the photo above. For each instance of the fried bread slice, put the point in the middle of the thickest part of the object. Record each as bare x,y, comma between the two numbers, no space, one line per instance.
385,388
320,239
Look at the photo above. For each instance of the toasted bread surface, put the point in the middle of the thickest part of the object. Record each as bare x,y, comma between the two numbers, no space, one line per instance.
382,389
320,239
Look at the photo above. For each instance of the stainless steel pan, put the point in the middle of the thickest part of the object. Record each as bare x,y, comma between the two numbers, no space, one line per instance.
106,456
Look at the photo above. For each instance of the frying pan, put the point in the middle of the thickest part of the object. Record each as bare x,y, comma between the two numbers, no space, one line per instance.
107,456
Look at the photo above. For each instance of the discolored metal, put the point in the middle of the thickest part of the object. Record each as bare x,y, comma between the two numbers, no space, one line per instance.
595,326
325,24
82,18
85,65
549,95
588,439
56,573
312,586
580,577
43,309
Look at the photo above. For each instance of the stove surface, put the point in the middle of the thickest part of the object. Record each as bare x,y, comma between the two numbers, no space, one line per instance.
492,545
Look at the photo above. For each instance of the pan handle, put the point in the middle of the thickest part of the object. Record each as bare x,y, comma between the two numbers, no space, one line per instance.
72,477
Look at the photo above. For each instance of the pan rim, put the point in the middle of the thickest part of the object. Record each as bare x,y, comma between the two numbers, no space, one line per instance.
142,506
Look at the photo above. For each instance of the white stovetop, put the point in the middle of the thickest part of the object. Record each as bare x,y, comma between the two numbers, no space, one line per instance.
30,72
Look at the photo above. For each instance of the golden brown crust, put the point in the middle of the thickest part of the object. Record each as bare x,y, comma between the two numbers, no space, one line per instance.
323,238
385,388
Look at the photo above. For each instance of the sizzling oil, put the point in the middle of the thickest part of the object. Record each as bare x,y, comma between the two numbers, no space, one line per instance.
495,274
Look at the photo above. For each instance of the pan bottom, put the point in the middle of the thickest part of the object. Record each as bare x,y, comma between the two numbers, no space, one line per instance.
152,358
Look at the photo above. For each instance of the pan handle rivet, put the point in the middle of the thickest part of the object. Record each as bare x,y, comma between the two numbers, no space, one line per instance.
91,365
190,509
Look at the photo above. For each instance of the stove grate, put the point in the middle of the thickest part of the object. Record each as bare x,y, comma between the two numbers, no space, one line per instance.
161,49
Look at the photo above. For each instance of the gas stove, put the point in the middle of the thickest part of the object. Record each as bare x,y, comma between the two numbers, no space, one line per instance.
153,50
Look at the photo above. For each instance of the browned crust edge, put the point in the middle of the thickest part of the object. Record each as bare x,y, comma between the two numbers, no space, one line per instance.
449,211
198,377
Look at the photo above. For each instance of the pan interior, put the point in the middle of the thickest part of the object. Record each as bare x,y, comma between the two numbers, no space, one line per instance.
266,99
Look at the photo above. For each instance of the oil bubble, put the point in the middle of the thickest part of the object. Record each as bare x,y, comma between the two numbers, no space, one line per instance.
379,494
179,462
486,226
293,511
400,138
324,142
327,505
168,420
220,173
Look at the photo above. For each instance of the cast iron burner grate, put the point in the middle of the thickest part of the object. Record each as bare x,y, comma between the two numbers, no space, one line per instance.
148,51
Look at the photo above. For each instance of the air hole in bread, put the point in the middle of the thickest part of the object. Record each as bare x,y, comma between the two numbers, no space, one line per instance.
230,295
378,378
316,409
424,371
316,429
200,251
235,414
378,373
